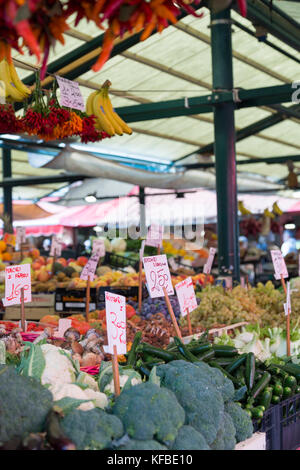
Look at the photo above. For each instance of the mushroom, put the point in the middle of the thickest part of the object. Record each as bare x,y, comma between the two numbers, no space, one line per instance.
77,348
71,334
89,359
45,335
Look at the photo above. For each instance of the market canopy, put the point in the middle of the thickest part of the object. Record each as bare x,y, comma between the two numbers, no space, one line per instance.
177,65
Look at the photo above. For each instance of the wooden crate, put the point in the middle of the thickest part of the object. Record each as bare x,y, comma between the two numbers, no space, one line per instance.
41,304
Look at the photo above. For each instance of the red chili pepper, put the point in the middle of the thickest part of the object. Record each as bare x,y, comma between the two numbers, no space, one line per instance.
110,10
108,44
24,30
243,7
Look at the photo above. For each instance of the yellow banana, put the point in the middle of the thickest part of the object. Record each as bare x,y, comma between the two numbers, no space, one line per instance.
107,109
276,209
20,86
103,123
269,214
125,128
243,209
11,90
89,103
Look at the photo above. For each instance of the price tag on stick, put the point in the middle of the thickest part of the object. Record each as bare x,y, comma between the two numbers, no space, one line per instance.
187,299
280,268
20,237
155,235
70,94
158,275
88,274
287,313
18,288
99,247
115,306
208,265
140,293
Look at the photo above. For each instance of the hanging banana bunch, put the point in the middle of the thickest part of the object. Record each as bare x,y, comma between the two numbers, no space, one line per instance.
99,104
13,88
276,209
243,209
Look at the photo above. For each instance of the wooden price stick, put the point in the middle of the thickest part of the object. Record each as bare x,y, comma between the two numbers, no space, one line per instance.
22,310
172,315
140,285
21,249
189,322
288,336
205,280
283,284
115,367
88,295
53,264
158,250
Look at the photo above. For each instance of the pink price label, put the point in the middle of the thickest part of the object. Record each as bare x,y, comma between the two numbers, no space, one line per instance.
56,247
208,265
70,94
99,247
186,296
16,278
90,267
20,235
115,306
158,275
155,235
279,265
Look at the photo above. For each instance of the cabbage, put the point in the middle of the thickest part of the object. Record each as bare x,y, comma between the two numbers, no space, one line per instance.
118,244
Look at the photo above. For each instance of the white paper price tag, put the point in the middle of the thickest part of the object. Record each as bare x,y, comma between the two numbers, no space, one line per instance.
20,236
208,265
63,325
186,296
279,265
158,275
155,235
70,94
99,248
16,278
115,306
172,263
56,247
90,267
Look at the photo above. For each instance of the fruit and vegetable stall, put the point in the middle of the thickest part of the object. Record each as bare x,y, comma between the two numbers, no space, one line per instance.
144,344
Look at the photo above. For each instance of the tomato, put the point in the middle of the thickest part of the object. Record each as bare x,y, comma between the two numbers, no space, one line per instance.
130,311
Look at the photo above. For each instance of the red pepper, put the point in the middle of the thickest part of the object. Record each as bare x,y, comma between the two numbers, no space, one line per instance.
24,30
243,7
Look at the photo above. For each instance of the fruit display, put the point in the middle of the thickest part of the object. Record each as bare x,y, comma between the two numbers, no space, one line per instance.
14,88
262,304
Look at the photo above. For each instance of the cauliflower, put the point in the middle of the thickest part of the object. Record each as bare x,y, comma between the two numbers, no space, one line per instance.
97,399
59,369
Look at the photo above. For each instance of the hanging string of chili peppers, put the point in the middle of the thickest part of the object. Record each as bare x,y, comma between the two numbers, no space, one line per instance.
39,24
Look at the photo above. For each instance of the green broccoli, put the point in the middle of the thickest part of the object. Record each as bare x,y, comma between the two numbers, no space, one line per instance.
24,404
225,439
241,420
134,444
218,380
149,412
189,439
195,391
92,429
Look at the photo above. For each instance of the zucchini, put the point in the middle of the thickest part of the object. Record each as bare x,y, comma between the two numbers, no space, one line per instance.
224,361
142,368
167,356
260,385
224,351
265,398
277,389
250,370
132,353
184,350
200,348
290,381
229,376
291,369
206,356
236,363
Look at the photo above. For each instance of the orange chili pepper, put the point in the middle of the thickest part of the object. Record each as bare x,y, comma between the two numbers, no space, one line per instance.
115,26
108,44
148,30
164,12
97,9
140,22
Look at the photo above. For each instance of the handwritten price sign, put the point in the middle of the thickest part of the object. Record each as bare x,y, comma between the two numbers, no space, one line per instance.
16,278
186,296
155,235
99,247
70,94
279,265
90,267
115,306
158,275
208,265
56,247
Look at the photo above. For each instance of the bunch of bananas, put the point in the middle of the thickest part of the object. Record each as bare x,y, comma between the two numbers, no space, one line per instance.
276,209
12,88
99,104
243,209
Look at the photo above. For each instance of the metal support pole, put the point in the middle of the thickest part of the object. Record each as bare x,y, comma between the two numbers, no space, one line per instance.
7,190
224,147
143,228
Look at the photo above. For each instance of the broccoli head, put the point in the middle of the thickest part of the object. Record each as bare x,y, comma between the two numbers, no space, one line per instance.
92,429
149,412
225,439
189,439
241,420
24,404
134,444
202,401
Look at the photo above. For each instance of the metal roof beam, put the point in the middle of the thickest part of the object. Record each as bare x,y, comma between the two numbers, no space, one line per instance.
267,161
205,104
34,180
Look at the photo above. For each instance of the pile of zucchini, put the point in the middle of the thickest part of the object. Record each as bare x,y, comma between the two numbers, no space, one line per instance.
257,385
